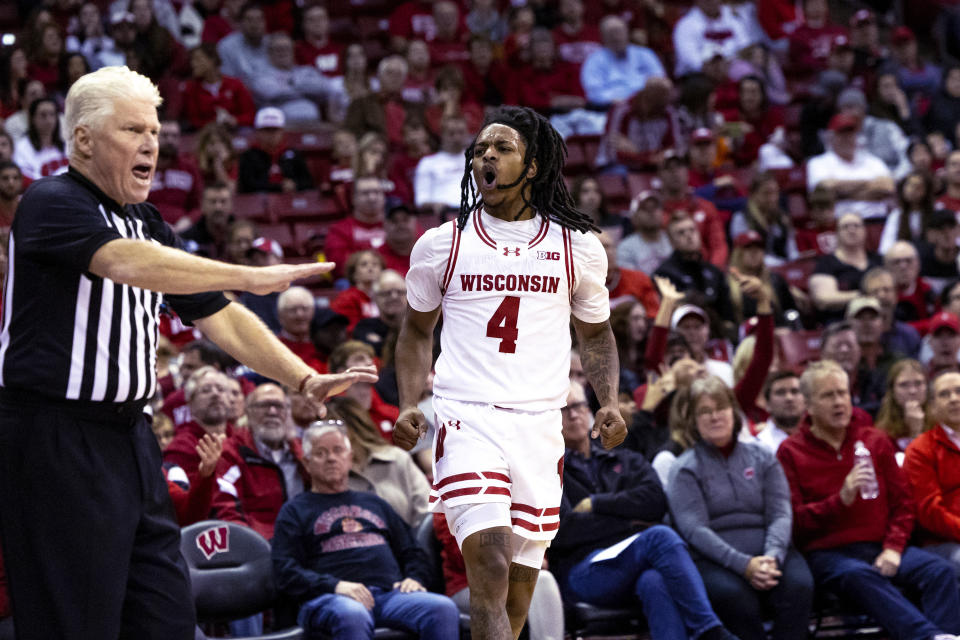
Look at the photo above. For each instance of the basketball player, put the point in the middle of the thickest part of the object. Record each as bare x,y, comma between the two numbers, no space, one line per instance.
507,275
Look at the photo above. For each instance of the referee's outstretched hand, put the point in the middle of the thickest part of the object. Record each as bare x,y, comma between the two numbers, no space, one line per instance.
608,424
321,386
410,427
279,277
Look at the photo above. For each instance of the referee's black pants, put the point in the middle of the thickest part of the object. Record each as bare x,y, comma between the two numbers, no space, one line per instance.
89,537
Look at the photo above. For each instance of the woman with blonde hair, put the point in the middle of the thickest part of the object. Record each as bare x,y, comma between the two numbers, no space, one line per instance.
902,414
216,157
739,529
747,258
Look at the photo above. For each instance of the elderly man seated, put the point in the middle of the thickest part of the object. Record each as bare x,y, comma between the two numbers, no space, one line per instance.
349,558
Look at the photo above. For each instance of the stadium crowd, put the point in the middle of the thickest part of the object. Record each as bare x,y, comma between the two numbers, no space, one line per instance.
776,185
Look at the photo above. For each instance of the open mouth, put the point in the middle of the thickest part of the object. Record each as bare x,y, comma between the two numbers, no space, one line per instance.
488,178
142,171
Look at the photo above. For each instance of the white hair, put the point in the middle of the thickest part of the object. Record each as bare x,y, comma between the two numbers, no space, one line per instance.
321,428
386,277
293,294
815,372
91,99
400,61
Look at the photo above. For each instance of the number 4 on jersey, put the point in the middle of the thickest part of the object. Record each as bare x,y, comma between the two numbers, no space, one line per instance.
503,324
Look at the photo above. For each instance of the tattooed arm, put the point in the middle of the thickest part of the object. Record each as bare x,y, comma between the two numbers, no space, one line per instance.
598,353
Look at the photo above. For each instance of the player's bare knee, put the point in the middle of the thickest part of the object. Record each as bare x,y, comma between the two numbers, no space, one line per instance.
486,555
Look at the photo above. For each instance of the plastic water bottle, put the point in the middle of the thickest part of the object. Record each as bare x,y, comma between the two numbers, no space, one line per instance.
862,458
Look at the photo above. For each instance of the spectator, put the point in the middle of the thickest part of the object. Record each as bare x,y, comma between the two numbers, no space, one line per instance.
269,165
864,313
448,43
316,49
865,41
223,21
915,207
836,276
356,81
389,294
244,52
13,69
619,69
575,38
373,575
362,230
709,27
611,497
649,245
786,405
916,300
362,270
485,21
17,124
11,187
693,323
452,100
626,284
861,181
630,324
944,111
401,231
880,137
812,40
262,465
839,343
209,233
748,259
932,473
940,255
354,353
193,355
216,157
688,269
206,395
45,60
177,187
240,239
72,67
295,89
919,78
740,528
678,198
485,79
380,468
589,199
764,216
41,151
753,121
385,110
640,127
209,96
6,147
951,177
371,160
548,83
192,17
944,343
890,103
521,19
327,331
898,337
157,49
862,554
436,182
418,89
902,413
295,310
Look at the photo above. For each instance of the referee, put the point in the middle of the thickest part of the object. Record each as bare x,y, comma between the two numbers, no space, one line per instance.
90,545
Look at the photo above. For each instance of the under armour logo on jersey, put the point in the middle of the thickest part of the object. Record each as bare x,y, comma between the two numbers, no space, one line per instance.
213,541
454,424
507,250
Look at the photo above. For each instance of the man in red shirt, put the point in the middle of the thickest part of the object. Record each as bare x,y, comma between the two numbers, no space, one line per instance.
574,37
177,186
413,19
295,309
812,40
951,176
627,284
677,197
916,300
855,542
207,395
401,232
448,44
364,229
819,232
546,83
316,49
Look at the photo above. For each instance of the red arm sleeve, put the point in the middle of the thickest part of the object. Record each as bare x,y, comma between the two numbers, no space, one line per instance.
656,348
199,500
716,241
750,385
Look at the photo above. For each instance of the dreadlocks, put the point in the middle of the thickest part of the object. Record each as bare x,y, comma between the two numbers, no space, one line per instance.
548,192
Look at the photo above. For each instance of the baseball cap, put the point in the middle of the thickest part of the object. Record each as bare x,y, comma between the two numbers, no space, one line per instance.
944,320
398,206
325,316
902,35
685,310
942,218
672,155
844,122
269,118
748,238
121,16
851,97
267,245
864,16
861,303
701,134
839,41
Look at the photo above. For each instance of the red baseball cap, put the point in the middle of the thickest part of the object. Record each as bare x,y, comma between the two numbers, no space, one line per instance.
844,122
748,238
902,35
944,320
267,245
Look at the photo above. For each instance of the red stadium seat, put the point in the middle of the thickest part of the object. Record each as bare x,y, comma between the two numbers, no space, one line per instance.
792,180
637,182
252,206
614,189
576,160
300,206
282,233
797,348
797,273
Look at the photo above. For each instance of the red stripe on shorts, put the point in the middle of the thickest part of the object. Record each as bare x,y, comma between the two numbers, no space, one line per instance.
525,524
499,490
526,508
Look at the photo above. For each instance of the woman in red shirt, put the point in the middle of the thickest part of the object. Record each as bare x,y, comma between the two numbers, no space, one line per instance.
758,118
210,96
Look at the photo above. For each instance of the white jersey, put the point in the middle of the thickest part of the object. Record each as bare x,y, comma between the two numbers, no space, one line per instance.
507,290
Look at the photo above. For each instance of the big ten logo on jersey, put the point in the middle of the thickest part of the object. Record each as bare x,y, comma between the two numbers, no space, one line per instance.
213,541
548,255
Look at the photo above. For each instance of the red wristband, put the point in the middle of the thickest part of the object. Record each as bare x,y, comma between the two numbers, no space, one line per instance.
303,383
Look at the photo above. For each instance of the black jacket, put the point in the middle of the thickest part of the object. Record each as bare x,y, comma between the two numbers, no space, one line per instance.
253,172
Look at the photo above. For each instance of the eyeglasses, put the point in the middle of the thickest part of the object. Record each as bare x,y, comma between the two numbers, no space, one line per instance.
267,406
576,406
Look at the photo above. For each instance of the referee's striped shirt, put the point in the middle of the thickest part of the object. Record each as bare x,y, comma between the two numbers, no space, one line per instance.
66,332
